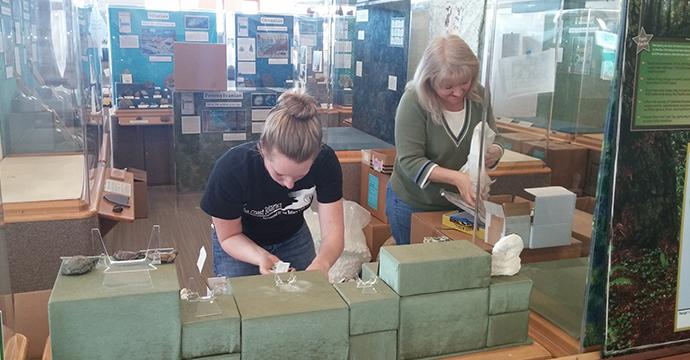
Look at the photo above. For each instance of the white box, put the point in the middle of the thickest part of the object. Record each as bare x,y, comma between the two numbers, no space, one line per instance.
554,208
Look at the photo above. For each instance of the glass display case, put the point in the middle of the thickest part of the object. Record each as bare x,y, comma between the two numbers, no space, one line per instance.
50,110
6,299
550,66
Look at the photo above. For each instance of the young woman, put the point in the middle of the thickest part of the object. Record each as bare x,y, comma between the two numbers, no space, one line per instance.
257,192
433,131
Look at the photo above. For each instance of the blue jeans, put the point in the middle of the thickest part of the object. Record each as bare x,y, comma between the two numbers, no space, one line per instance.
399,215
298,250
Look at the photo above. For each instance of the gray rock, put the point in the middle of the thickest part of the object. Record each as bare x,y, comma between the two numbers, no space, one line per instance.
77,265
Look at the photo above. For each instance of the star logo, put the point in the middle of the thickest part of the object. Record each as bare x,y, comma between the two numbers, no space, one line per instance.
642,40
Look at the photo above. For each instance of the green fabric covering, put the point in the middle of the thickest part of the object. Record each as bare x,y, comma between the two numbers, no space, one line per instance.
430,268
508,328
370,312
380,345
509,294
442,323
89,319
369,270
210,335
306,320
237,356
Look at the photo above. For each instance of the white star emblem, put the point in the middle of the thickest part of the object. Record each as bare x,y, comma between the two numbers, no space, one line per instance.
642,40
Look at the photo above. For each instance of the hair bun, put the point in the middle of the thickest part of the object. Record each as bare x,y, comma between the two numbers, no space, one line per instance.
298,105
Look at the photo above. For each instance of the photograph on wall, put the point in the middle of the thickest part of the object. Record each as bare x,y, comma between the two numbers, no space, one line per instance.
223,120
196,22
156,41
246,49
264,100
272,45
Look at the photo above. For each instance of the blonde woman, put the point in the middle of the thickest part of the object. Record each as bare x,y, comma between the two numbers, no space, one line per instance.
257,192
433,130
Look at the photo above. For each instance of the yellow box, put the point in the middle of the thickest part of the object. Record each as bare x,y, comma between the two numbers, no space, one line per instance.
467,228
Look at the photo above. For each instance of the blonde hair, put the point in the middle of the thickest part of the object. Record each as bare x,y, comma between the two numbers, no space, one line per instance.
292,128
446,58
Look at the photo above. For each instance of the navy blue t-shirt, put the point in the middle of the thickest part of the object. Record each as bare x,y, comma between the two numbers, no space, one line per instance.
240,186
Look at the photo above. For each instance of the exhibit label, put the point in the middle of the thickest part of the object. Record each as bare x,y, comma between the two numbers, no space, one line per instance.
662,86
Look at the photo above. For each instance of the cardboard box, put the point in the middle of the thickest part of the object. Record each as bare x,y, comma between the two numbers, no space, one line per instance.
442,323
428,223
430,268
568,162
210,335
200,67
514,141
553,216
307,320
383,160
31,319
586,204
141,193
376,233
96,313
504,218
372,194
370,311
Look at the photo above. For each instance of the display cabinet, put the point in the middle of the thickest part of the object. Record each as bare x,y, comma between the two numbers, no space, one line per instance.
550,67
55,146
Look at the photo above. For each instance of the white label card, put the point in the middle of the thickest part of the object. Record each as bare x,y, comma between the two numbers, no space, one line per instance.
129,41
358,68
201,260
191,125
234,136
525,123
392,83
196,36
360,34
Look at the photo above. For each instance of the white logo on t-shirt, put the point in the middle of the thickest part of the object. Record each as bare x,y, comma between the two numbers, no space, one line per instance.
301,200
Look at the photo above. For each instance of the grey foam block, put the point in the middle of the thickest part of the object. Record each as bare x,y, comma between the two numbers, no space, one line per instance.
380,345
435,267
371,310
509,294
210,335
98,313
307,319
508,328
442,323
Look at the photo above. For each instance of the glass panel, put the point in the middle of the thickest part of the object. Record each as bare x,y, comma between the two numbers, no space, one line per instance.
50,91
550,66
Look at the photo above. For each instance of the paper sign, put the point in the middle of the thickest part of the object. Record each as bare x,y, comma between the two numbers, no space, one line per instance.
187,103
360,35
160,58
158,15
373,193
257,127
277,61
201,260
158,24
392,83
223,104
196,36
260,114
125,22
191,125
234,137
358,68
126,78
525,123
362,16
246,67
242,26
129,41
272,28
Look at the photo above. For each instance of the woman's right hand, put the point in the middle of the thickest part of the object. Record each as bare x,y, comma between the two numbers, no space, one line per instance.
267,262
467,191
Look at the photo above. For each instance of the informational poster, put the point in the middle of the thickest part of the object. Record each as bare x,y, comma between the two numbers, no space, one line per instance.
397,36
662,97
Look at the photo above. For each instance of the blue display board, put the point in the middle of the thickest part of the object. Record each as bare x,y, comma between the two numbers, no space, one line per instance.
263,50
141,41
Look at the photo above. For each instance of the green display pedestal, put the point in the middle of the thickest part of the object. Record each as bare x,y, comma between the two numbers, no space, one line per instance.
508,328
509,294
371,310
442,323
369,270
379,345
210,335
305,320
436,267
118,316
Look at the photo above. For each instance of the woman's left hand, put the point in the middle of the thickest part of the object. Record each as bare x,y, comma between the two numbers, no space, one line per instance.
493,154
317,264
